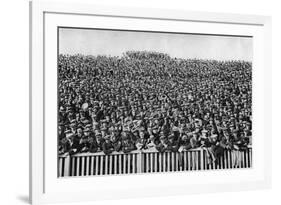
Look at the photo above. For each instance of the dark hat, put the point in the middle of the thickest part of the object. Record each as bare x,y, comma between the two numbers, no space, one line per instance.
184,137
68,109
154,128
107,137
80,125
162,137
85,121
204,131
72,124
135,130
86,130
95,123
67,131
224,129
98,134
62,109
103,121
73,121
61,123
124,137
111,129
88,126
103,129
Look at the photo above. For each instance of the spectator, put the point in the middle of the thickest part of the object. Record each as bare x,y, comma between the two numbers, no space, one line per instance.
142,98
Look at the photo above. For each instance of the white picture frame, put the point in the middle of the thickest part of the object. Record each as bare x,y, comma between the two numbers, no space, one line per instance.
44,188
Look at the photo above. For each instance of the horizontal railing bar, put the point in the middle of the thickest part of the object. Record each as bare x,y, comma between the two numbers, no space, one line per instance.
122,153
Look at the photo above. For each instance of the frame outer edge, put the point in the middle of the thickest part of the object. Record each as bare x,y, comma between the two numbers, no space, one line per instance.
36,78
36,104
268,100
151,13
30,101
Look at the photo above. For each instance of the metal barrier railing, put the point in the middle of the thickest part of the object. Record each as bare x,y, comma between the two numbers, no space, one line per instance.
87,164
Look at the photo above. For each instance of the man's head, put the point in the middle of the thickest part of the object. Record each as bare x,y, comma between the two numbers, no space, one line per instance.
98,136
68,134
79,131
184,138
86,131
163,139
136,132
125,138
171,138
141,134
107,138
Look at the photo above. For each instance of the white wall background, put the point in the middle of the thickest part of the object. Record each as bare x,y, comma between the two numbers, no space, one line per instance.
14,100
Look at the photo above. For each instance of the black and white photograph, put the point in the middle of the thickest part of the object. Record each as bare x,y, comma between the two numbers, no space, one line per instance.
144,102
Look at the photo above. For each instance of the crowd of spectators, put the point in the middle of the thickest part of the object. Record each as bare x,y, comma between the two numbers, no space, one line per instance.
150,101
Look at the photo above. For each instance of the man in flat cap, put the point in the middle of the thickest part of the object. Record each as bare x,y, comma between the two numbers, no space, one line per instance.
127,144
117,145
107,146
173,145
72,142
66,142
141,142
96,144
162,146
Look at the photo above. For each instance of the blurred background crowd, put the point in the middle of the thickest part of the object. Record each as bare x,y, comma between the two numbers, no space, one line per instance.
150,101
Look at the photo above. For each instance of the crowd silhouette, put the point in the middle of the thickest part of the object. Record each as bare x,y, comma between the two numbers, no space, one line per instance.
146,100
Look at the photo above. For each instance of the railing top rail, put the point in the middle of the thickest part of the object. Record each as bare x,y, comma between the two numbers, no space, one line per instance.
86,154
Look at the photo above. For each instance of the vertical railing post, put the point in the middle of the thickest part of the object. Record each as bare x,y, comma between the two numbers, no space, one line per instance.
201,159
140,162
196,156
66,166
60,166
